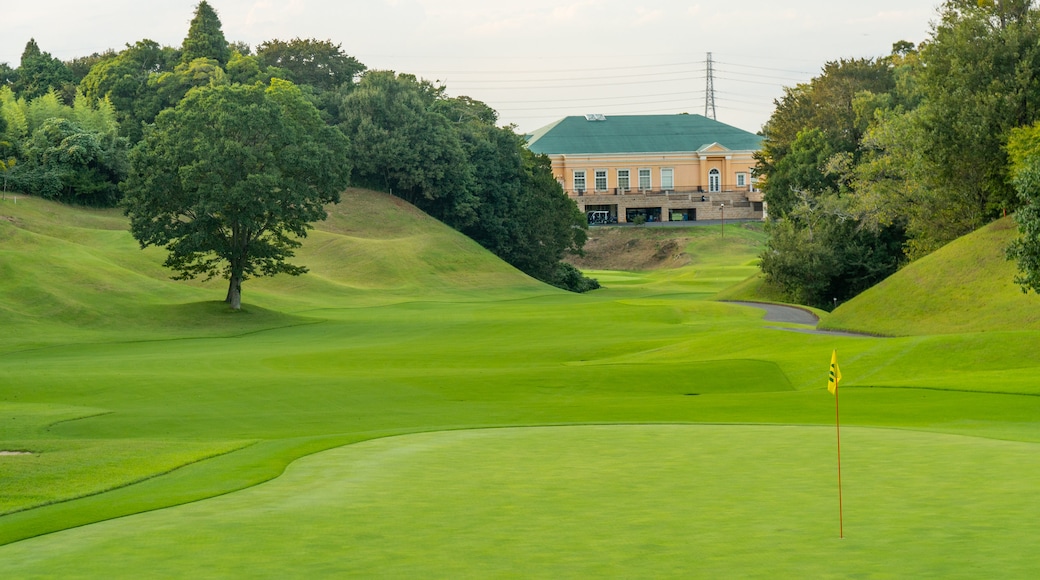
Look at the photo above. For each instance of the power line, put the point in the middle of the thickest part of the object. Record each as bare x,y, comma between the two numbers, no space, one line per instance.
749,82
550,101
638,103
574,70
799,72
569,79
582,86
757,76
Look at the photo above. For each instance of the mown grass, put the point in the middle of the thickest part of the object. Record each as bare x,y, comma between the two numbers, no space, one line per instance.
446,339
595,501
967,286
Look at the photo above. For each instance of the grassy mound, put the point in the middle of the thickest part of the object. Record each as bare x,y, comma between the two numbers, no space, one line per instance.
71,274
967,286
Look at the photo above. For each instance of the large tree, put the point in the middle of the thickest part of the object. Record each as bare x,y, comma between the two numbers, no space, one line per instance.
813,121
205,37
40,72
447,156
318,63
231,178
403,146
66,161
978,81
123,80
523,215
818,249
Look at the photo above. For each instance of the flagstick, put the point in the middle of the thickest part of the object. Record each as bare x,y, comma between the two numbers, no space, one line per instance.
837,426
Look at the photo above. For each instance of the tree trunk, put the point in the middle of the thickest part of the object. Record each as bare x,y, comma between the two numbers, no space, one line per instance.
234,295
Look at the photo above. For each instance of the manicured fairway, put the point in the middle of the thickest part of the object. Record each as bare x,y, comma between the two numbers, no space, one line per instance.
580,502
413,408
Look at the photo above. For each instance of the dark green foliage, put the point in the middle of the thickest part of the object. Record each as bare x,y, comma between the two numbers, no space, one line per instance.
523,215
168,88
66,162
820,254
802,169
969,110
40,72
525,218
1026,248
447,157
1024,150
570,278
913,142
246,70
8,75
815,121
205,37
317,63
123,80
231,178
820,249
8,156
241,47
81,66
401,146
935,156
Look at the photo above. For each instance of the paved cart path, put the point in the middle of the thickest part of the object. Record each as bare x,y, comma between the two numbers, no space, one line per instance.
795,315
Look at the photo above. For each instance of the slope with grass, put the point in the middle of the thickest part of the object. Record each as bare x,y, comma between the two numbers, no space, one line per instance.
661,415
966,286
73,274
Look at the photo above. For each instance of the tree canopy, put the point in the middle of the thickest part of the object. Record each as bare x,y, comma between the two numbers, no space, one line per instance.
913,147
317,63
39,72
403,147
231,178
1024,150
445,155
205,37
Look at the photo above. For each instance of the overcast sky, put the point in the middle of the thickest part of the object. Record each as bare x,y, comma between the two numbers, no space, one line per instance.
534,61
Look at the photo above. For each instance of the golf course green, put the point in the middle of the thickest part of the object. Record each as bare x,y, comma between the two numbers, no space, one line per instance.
414,407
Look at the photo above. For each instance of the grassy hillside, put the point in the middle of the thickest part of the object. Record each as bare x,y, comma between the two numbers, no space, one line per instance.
967,286
72,273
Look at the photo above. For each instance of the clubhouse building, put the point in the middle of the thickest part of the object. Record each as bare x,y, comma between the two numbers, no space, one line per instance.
661,167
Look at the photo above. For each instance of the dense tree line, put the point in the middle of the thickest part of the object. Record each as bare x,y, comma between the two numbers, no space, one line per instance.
75,131
876,162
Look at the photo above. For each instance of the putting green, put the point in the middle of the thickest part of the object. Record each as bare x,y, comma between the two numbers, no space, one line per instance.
630,501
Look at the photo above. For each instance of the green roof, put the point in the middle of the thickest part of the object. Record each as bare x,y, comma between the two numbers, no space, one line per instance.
638,134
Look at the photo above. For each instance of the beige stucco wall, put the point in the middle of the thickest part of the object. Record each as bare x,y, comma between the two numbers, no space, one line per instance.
690,170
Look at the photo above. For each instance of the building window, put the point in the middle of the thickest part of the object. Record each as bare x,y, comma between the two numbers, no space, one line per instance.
667,179
714,181
579,180
601,180
644,179
741,179
624,182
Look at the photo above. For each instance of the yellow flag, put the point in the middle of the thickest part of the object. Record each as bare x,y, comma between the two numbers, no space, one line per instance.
835,376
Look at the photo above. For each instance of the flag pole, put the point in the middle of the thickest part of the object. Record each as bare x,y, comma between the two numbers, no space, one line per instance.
837,427
832,387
